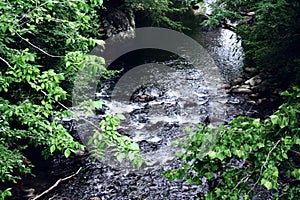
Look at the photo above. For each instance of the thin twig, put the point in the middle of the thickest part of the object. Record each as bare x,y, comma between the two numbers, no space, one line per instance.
62,105
7,63
264,165
56,184
269,154
38,48
248,111
245,179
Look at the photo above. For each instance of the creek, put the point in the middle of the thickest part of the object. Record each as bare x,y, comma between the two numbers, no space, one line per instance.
156,114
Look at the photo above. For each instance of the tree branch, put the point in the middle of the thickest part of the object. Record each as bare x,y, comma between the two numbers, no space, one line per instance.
56,184
36,47
268,157
7,63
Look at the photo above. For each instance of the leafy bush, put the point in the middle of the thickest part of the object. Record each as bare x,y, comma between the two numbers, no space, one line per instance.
261,148
35,36
122,146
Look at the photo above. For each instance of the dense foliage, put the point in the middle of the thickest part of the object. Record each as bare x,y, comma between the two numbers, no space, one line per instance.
35,36
43,44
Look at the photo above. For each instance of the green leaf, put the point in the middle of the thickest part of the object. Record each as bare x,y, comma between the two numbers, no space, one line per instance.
31,57
296,174
256,122
274,119
52,148
268,185
3,28
67,153
212,154
131,155
68,63
284,122
209,175
139,163
121,156
97,104
134,147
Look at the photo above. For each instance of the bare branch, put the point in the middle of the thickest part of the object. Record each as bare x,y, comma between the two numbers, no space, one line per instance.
268,156
7,63
36,47
56,184
245,179
264,165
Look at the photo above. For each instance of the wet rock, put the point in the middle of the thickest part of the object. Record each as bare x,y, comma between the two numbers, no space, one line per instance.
190,104
102,110
241,90
259,101
249,69
245,86
252,102
226,86
95,198
234,101
146,94
139,115
254,81
254,95
238,80
146,146
213,120
117,21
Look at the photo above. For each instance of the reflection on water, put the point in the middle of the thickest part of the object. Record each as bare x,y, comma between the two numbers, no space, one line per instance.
225,48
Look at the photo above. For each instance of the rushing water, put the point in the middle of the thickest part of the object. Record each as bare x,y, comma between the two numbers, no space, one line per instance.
156,114
160,94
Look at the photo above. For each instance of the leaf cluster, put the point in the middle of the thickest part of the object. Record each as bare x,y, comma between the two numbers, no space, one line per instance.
108,138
